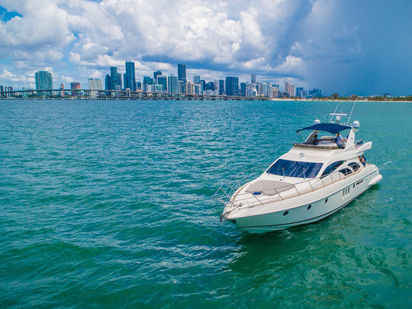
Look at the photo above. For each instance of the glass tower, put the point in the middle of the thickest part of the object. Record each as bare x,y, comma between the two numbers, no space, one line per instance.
162,80
130,76
232,86
44,80
181,72
173,84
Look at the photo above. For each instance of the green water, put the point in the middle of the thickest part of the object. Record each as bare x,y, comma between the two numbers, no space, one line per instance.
109,204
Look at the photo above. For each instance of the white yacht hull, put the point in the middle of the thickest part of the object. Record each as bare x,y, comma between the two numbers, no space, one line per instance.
307,208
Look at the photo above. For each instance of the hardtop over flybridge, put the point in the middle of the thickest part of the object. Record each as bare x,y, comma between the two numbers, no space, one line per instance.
313,180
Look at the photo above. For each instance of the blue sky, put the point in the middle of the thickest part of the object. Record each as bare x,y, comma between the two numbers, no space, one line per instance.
349,47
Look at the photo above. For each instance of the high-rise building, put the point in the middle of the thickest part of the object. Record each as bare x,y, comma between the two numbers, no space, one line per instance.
116,79
162,80
61,90
108,83
173,84
221,87
196,79
75,88
156,74
182,86
130,76
253,78
300,92
44,80
147,80
232,86
266,89
1,90
210,86
290,89
315,93
94,86
181,72
190,88
8,91
202,84
243,89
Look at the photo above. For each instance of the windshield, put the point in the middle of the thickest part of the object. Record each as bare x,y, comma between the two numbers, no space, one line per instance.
295,169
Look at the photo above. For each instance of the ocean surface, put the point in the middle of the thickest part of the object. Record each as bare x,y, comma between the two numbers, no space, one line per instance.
109,204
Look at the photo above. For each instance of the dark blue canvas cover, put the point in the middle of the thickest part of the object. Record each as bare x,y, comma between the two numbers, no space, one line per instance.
327,127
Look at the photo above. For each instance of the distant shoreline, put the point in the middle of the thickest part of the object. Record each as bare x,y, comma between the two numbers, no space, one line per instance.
332,100
195,98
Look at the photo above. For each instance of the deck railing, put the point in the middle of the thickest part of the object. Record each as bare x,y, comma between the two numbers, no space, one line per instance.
230,190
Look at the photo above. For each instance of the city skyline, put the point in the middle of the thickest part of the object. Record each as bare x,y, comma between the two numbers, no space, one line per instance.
171,84
338,46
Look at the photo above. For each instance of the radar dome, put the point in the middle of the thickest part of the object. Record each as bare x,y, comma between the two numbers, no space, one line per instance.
356,124
317,121
337,118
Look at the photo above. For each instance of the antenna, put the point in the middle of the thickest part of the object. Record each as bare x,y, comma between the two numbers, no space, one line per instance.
334,112
350,115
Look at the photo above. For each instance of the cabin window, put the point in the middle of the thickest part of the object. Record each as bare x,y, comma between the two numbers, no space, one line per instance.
295,168
354,166
345,171
331,168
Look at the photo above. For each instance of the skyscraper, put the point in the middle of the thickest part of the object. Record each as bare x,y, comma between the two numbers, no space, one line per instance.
62,90
290,89
221,86
232,86
116,79
173,84
315,93
300,92
253,78
181,72
243,89
162,80
108,83
196,79
94,85
44,80
156,74
182,86
210,86
75,88
147,80
130,76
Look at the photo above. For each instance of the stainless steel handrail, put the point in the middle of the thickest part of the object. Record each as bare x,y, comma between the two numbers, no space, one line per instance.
262,202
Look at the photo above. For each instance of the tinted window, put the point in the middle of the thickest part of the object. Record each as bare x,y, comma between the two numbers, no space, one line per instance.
345,171
295,169
354,166
331,168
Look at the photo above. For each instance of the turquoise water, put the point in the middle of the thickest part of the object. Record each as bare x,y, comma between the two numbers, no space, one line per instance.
109,204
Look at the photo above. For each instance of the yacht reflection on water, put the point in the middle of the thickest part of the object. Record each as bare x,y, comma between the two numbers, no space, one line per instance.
310,182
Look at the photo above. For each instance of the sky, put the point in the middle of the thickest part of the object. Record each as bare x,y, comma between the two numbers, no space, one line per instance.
345,46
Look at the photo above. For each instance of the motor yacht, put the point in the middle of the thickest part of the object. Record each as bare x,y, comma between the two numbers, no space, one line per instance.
313,180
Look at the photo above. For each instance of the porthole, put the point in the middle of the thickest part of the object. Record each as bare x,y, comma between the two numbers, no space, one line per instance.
326,200
309,207
285,213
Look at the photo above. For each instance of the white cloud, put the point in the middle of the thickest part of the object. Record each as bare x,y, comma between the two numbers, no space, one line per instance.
277,39
291,65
